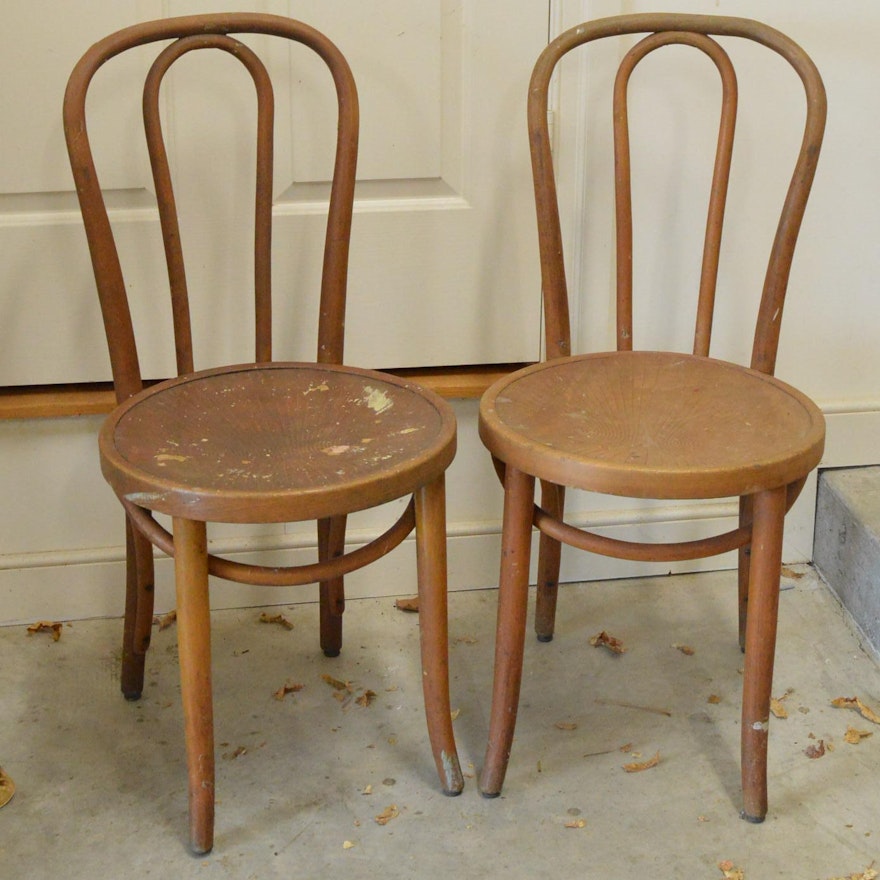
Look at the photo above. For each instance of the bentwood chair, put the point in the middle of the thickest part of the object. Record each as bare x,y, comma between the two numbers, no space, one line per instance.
650,424
260,442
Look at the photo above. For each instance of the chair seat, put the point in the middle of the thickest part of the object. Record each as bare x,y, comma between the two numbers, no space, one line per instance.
275,442
652,425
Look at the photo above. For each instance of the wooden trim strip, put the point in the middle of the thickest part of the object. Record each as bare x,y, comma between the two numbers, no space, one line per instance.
97,398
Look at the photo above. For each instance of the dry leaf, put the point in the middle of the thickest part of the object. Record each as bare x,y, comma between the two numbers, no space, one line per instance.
858,705
455,713
336,684
730,871
411,604
577,823
790,573
869,873
856,736
604,640
231,756
638,766
368,790
280,619
366,698
685,649
165,620
48,626
288,687
7,788
347,844
387,815
714,699
815,751
627,748
778,710
565,725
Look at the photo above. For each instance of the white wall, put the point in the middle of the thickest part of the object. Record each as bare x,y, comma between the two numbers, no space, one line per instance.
60,527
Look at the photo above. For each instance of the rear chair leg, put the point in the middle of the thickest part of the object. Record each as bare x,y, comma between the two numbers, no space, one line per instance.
331,545
744,561
549,557
139,593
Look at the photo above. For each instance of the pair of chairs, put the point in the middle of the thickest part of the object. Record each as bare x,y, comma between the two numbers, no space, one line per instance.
279,442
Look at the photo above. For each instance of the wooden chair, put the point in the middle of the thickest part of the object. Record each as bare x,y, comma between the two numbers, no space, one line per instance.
259,442
653,424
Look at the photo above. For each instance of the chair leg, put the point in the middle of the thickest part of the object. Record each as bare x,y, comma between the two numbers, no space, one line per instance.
745,555
139,592
331,545
194,642
516,539
769,515
549,556
430,510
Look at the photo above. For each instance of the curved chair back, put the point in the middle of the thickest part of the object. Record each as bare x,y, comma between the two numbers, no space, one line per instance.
663,29
210,32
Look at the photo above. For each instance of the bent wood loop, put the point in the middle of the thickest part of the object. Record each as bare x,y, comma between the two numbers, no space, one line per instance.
666,29
209,31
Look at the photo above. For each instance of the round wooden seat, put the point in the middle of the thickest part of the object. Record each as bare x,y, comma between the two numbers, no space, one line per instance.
275,442
652,425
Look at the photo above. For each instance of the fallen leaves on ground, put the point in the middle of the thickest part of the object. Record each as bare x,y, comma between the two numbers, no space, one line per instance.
565,725
776,707
288,687
335,683
730,871
790,573
387,815
347,844
165,620
638,766
366,698
854,736
576,823
47,626
454,714
815,751
855,703
713,698
870,873
280,619
411,605
237,753
7,788
604,640
685,649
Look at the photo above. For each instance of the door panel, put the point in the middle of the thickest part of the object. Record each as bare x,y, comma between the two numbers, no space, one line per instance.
444,261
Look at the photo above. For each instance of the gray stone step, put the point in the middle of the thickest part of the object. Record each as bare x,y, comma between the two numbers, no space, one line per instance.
847,544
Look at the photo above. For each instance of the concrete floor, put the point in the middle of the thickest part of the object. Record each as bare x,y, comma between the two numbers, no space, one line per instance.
101,782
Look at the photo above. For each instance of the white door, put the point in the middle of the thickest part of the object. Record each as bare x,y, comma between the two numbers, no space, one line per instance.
443,265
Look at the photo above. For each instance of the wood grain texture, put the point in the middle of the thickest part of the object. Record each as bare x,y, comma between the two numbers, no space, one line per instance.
652,425
275,443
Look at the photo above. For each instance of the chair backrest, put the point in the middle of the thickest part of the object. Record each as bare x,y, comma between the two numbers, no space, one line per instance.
697,31
210,32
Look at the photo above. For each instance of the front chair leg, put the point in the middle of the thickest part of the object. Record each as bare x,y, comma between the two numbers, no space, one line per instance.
331,545
139,593
194,643
430,511
766,559
549,558
513,591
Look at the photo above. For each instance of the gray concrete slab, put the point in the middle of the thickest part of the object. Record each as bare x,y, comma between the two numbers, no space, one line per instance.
101,782
847,544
